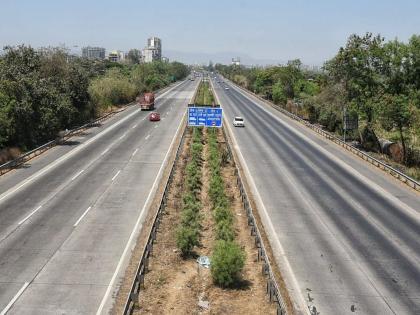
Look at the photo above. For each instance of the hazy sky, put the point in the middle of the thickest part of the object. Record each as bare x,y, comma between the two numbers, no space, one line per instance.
264,29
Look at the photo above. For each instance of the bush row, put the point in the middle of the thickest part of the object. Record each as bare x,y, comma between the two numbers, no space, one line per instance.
228,258
44,91
189,230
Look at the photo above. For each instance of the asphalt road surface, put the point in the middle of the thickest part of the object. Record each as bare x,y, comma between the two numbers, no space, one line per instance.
346,235
67,217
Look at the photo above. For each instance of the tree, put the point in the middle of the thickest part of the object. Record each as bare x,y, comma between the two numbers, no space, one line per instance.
134,56
279,95
358,67
397,113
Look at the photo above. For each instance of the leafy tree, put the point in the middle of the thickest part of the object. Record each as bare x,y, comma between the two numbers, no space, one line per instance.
358,67
397,113
134,56
44,91
279,95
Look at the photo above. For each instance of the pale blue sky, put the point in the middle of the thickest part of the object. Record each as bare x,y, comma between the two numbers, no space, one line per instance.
264,29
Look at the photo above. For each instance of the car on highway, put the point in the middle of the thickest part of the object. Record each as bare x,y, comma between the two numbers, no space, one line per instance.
226,88
154,116
238,121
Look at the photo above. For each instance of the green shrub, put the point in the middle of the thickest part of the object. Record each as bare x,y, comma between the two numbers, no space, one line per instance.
189,198
224,231
186,239
222,201
190,218
226,263
193,204
222,214
216,188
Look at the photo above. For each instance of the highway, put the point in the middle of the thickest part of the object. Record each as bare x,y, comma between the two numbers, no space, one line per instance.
68,219
345,235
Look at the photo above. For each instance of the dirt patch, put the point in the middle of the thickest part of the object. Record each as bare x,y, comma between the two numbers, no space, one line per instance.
175,285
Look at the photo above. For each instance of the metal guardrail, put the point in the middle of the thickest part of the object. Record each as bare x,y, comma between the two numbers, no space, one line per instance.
141,270
142,267
8,166
381,165
272,288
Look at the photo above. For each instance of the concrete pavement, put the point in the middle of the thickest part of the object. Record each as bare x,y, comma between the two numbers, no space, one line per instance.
63,232
346,236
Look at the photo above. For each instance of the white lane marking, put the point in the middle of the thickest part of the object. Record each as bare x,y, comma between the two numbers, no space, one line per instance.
8,306
122,136
74,151
75,176
65,157
136,226
267,221
134,127
29,215
135,151
83,215
144,118
167,113
115,176
147,137
156,126
394,200
105,151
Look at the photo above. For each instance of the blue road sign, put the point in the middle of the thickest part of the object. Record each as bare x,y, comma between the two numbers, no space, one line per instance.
205,116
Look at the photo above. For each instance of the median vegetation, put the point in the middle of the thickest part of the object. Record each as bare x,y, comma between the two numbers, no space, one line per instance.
228,258
47,90
204,94
204,256
188,233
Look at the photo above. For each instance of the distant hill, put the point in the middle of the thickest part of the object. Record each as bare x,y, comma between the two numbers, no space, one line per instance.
218,57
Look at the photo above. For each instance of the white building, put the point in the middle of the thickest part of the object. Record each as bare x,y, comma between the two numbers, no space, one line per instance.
153,51
116,56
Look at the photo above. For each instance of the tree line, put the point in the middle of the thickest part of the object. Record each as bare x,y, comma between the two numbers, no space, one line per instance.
373,80
44,91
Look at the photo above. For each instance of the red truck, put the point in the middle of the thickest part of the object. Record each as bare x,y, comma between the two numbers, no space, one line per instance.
146,101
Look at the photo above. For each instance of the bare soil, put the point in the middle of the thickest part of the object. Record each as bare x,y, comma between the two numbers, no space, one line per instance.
175,285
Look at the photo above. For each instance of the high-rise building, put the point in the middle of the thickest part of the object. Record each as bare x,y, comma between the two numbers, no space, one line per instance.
93,52
153,51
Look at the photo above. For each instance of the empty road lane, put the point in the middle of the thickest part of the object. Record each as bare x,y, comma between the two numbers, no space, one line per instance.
346,236
65,224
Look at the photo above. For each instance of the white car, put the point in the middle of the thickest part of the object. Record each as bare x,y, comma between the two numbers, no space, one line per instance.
226,88
238,122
